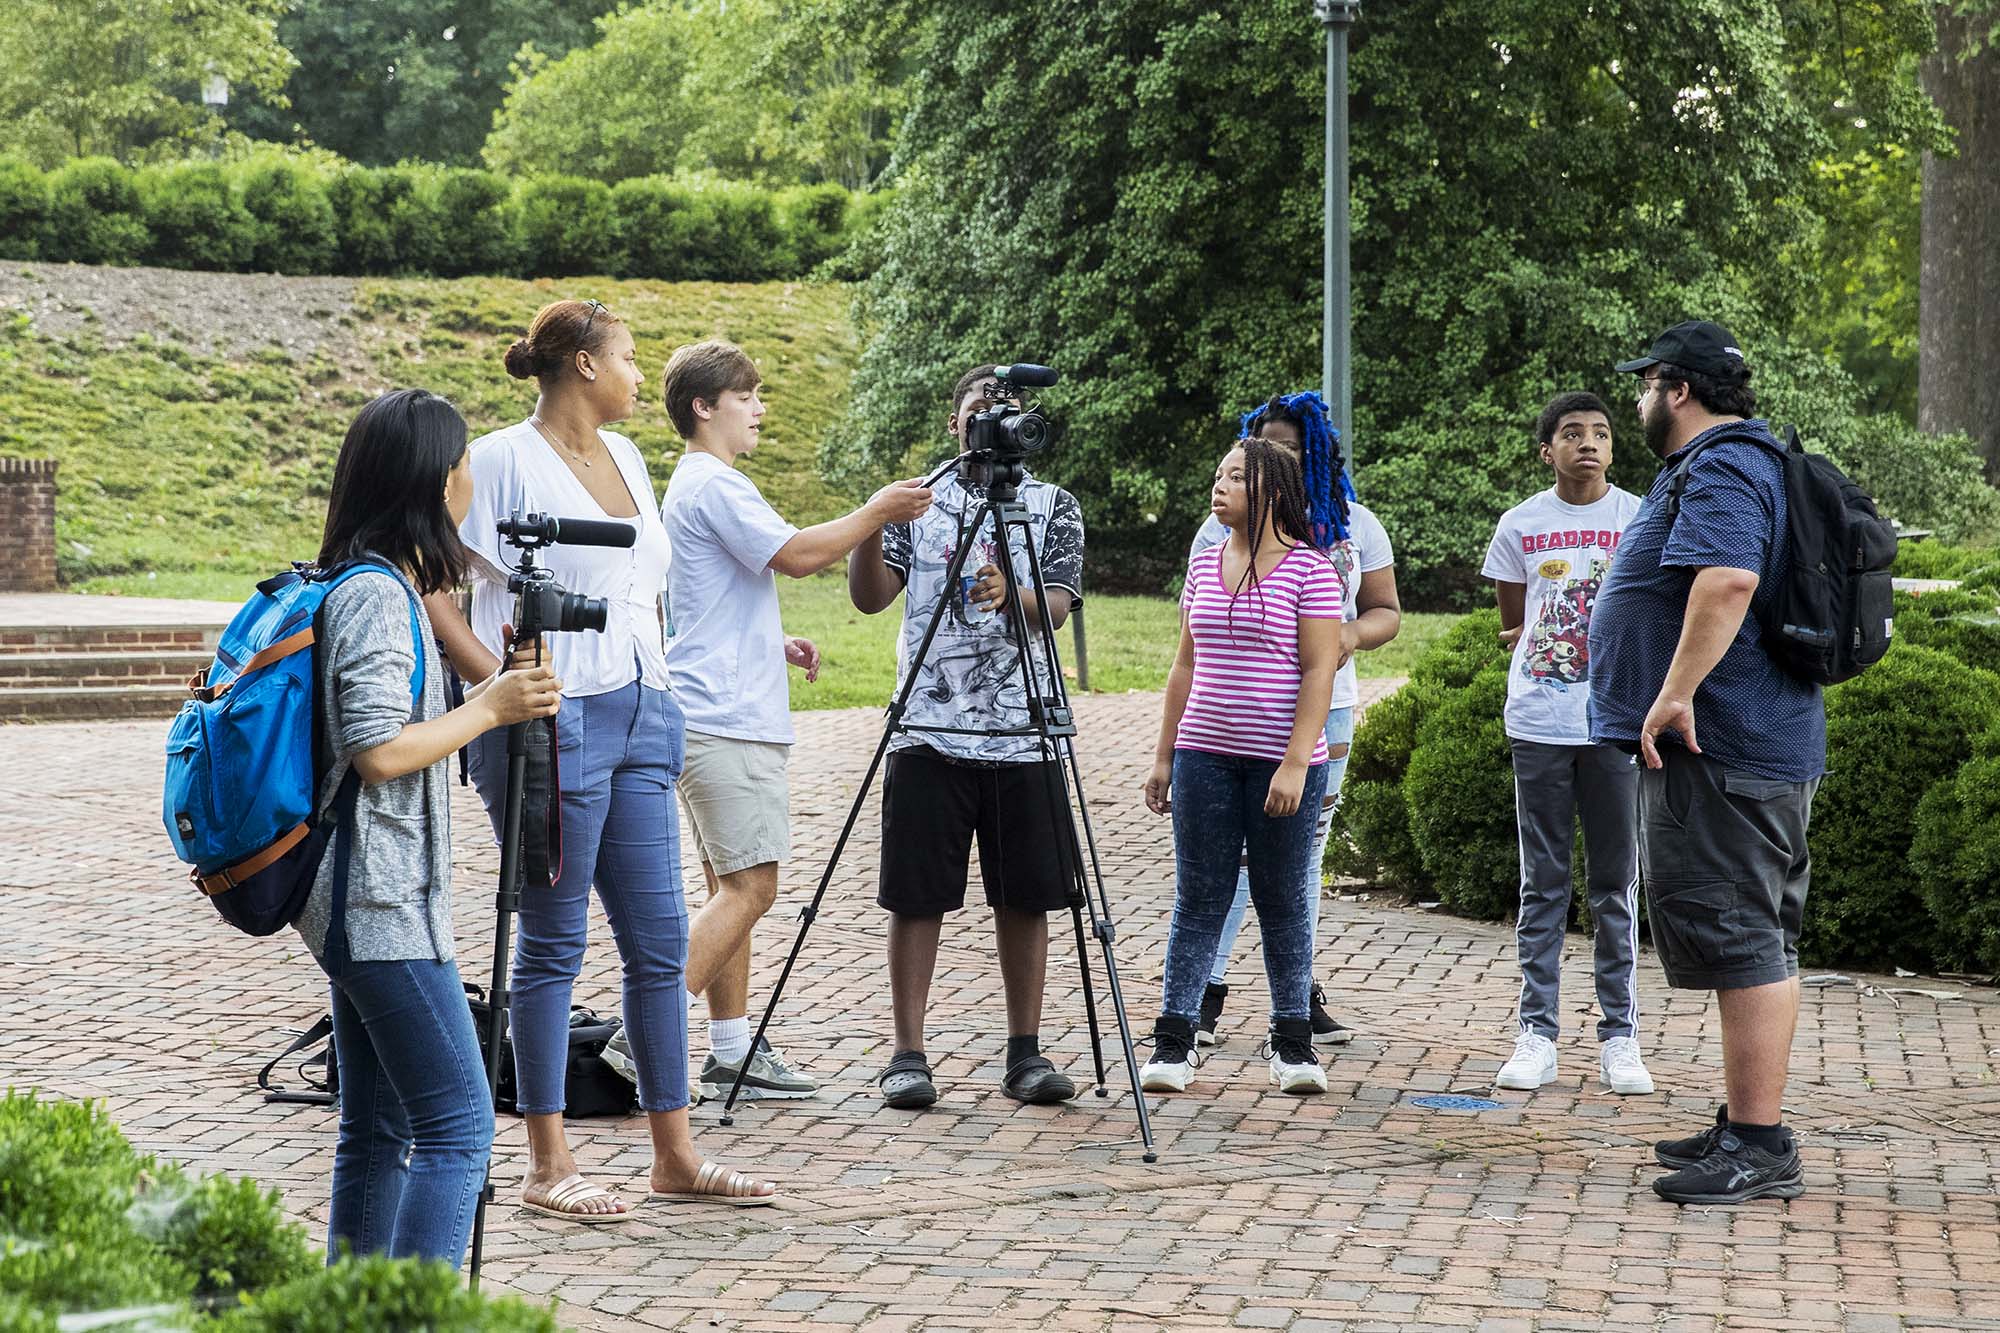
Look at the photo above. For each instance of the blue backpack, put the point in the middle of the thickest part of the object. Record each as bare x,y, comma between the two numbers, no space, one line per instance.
245,760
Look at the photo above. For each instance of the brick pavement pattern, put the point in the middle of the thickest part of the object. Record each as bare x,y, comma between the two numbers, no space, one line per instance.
1357,1210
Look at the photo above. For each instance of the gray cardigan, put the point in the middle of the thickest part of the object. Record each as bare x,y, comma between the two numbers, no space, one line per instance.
399,869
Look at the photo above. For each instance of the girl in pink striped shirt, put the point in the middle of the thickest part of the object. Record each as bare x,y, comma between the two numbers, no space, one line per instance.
1242,754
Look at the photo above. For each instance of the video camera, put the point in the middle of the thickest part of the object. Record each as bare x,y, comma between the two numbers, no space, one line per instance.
1000,437
540,603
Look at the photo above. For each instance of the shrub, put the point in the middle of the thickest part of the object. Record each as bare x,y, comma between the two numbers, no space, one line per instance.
1460,794
814,218
1372,837
1956,857
567,227
294,222
195,218
1927,481
1939,560
94,215
1892,732
475,225
715,232
862,253
1965,624
387,220
24,208
381,1293
233,1237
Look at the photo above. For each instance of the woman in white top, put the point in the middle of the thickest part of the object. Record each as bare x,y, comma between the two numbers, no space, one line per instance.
619,746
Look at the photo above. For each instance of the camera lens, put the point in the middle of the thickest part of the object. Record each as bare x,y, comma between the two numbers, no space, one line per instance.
1030,431
580,613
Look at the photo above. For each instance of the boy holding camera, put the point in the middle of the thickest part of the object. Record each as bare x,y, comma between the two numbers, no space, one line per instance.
943,789
726,662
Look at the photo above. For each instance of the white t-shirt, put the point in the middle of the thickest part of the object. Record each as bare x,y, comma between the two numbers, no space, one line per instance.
518,469
1560,552
1364,550
727,656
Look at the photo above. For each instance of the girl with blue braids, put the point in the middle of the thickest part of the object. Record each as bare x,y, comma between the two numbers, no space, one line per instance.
1362,557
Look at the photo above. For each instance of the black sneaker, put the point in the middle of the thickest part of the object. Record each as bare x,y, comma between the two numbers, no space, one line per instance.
1327,1031
1294,1067
1736,1172
1211,1009
1679,1153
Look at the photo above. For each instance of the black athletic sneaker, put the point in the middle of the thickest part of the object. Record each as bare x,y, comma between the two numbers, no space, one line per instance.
1327,1031
1211,1009
1678,1153
1174,1057
1736,1172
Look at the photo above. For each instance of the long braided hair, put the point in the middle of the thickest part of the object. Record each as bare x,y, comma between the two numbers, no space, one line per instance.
1327,487
1273,483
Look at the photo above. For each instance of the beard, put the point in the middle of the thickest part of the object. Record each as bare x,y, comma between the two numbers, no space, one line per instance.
1657,423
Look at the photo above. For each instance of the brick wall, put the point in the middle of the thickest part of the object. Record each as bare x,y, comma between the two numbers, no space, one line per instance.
28,520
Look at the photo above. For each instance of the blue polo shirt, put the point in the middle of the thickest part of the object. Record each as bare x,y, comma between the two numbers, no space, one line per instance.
1749,714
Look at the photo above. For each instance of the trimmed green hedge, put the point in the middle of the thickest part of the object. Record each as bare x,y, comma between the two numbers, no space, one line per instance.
280,214
87,1224
1905,834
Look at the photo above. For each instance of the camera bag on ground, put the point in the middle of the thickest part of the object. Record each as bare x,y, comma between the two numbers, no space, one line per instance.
590,1086
245,760
1830,618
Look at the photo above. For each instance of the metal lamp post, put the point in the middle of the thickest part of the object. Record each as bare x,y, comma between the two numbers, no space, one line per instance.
1337,16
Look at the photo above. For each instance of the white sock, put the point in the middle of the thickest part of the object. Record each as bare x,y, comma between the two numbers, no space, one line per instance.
729,1038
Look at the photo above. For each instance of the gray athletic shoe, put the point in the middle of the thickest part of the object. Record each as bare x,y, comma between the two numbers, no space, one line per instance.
617,1053
768,1077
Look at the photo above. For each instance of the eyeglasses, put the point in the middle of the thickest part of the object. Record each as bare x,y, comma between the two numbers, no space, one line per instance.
1651,382
596,309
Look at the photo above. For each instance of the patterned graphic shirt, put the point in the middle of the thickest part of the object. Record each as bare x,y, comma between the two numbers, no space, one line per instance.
972,675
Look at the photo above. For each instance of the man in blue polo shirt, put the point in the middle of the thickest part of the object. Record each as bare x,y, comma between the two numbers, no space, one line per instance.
1732,747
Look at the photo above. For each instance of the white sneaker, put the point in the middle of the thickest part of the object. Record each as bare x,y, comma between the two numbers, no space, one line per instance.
1624,1072
1294,1067
1173,1064
1532,1064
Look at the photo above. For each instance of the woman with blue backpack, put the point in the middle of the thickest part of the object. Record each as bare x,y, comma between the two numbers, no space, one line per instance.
416,1117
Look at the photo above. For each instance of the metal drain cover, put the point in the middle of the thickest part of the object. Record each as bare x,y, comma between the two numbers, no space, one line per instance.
1454,1102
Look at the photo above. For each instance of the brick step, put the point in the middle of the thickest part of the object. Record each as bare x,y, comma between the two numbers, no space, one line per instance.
87,702
32,639
72,670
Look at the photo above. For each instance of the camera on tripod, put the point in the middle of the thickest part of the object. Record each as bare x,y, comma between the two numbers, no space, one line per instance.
540,603
1000,437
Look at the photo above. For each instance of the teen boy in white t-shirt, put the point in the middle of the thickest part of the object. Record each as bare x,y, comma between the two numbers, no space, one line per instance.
726,663
1548,559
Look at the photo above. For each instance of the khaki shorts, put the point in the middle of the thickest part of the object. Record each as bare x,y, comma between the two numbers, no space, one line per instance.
736,799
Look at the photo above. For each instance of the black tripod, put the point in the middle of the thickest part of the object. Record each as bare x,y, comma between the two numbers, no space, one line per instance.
1051,723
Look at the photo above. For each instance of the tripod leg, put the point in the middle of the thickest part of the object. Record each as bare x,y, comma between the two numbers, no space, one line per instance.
507,901
1089,998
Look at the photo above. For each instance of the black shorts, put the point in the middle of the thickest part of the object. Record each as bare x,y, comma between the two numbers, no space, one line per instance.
931,810
1723,856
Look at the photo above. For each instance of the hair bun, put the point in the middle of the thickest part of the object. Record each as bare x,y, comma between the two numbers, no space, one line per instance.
520,360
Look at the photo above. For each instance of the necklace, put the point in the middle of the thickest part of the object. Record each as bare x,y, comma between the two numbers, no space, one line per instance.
549,435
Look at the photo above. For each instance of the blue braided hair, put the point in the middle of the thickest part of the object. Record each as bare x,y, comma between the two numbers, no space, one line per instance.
1328,489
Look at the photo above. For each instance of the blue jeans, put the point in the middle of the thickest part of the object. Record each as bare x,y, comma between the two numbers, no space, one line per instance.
1339,731
1218,809
618,756
416,1115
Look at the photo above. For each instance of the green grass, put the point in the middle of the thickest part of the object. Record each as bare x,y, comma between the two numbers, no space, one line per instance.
182,465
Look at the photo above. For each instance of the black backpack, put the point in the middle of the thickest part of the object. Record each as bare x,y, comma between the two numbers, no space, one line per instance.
1830,619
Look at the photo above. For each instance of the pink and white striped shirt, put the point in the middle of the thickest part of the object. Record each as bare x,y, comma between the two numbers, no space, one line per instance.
1246,653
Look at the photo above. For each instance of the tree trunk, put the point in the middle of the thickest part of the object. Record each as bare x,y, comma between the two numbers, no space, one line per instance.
1958,309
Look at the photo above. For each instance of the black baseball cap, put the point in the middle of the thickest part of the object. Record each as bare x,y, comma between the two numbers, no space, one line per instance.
1697,345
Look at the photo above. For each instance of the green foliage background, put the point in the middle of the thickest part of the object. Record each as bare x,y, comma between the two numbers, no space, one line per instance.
1134,195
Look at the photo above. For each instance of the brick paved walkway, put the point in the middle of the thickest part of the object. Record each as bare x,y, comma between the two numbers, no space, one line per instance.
1357,1210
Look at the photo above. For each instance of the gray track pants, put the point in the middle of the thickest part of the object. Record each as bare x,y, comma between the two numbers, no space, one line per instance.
1554,787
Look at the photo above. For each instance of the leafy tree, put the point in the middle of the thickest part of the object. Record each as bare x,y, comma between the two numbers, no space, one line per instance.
1133,192
773,90
84,77
381,81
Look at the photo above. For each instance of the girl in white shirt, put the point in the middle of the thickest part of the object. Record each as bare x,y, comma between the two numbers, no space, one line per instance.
620,741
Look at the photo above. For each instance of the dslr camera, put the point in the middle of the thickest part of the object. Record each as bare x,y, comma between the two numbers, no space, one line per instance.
1001,436
540,603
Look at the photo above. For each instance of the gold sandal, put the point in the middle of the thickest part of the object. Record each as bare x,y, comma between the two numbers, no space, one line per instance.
563,1198
716,1183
